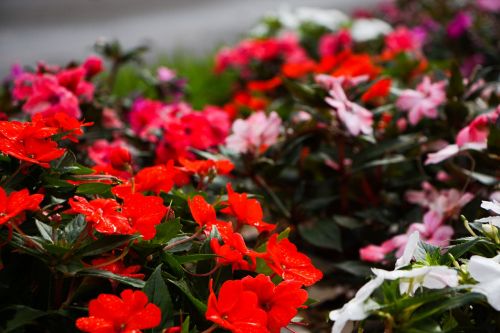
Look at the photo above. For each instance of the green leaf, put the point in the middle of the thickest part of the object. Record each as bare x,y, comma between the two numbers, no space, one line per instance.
181,247
74,228
105,244
185,325
494,138
354,267
459,250
323,233
108,275
157,292
166,231
93,188
45,230
23,316
77,169
182,285
173,264
193,258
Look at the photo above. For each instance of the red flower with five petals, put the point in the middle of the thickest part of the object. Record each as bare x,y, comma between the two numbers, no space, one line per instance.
280,302
232,252
236,309
104,214
16,203
129,314
284,259
204,214
30,142
246,211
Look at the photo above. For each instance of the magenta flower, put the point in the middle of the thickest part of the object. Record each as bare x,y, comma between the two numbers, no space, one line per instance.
356,118
422,102
254,134
459,25
146,118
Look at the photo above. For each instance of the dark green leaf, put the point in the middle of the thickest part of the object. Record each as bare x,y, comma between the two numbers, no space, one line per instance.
93,188
323,233
23,316
166,231
182,285
108,275
157,292
105,244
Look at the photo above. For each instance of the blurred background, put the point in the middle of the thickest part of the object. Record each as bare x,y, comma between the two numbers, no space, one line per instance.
57,31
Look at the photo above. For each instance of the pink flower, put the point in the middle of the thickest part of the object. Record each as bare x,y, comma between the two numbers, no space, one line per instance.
93,65
165,74
331,44
254,134
473,136
47,96
356,118
459,25
477,131
404,40
73,79
219,121
110,119
146,118
489,5
424,101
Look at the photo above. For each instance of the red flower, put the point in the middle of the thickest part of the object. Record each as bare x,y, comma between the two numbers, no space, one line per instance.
232,252
378,90
118,267
246,211
67,125
298,69
144,213
284,259
264,85
129,314
16,203
104,214
205,167
280,302
93,65
30,142
236,309
204,214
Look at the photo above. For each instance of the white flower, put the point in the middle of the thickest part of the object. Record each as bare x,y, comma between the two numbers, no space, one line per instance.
409,251
365,29
431,277
329,18
494,206
356,309
486,271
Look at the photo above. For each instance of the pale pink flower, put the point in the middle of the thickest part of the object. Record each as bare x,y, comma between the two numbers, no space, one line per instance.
424,101
489,5
356,119
254,134
165,74
110,119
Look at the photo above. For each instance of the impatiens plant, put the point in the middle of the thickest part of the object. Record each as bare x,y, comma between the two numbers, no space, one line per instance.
136,200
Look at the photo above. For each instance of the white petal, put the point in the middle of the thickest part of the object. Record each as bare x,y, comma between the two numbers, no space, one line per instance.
409,250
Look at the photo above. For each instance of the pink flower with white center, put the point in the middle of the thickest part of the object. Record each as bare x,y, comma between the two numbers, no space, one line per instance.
254,134
356,119
445,203
424,101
